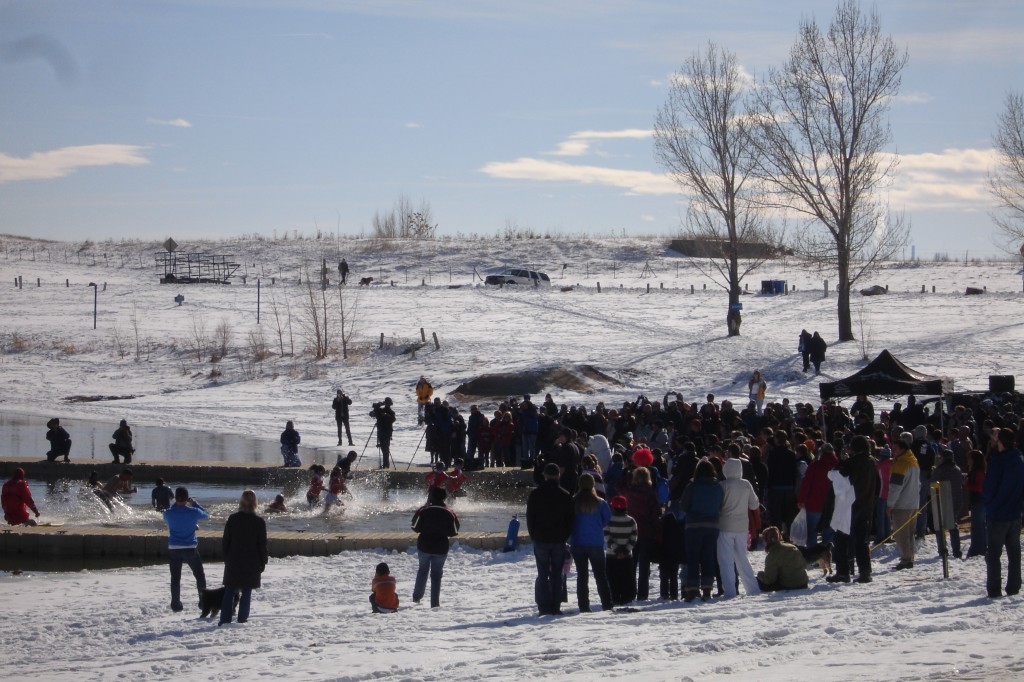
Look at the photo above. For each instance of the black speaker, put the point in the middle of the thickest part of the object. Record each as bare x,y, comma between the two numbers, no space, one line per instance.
1000,383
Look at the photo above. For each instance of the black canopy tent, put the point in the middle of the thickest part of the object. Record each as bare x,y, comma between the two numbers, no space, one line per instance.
885,375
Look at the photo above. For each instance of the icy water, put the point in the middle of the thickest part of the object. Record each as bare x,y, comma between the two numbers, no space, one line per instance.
25,436
367,509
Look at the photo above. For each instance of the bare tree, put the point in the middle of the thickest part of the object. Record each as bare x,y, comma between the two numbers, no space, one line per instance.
405,221
1007,181
315,319
133,318
699,137
197,336
820,127
348,304
222,334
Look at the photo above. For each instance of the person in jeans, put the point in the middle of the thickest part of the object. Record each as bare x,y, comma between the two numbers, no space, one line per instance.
1003,492
550,516
182,545
435,523
592,517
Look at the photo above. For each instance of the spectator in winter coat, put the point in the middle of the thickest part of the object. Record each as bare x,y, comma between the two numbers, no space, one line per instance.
814,491
904,493
598,447
947,471
804,346
434,523
702,503
340,406
1003,491
620,538
122,445
182,544
592,516
784,564
756,389
384,416
245,556
780,493
502,430
476,422
290,440
424,391
550,515
818,348
974,486
738,503
60,441
646,510
883,527
16,500
860,467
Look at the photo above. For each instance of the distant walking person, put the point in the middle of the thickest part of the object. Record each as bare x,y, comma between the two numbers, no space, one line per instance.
245,556
341,404
16,500
290,440
805,348
122,445
385,418
424,391
60,441
182,545
343,270
756,388
818,348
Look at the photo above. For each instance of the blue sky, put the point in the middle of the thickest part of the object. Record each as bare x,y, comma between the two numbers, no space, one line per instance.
195,118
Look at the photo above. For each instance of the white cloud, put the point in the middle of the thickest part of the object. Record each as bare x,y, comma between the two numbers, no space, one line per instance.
647,218
173,122
579,144
913,98
950,179
58,163
541,170
413,124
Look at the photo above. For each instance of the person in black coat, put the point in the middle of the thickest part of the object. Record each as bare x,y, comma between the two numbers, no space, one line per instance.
385,417
340,405
245,556
862,470
60,441
122,445
434,523
805,348
550,515
818,348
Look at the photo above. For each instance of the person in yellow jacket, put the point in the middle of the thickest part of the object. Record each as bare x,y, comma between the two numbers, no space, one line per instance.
424,391
904,494
756,388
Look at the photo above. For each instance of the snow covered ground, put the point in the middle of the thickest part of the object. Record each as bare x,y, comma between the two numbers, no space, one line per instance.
312,619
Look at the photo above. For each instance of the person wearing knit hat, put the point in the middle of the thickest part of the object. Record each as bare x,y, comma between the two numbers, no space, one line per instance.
16,499
620,537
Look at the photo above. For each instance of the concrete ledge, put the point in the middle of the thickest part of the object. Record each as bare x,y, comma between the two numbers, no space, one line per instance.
41,544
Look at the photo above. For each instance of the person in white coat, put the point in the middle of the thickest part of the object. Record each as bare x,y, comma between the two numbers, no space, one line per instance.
738,500
842,518
598,447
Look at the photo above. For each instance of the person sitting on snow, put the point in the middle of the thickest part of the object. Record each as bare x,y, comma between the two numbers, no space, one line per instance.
784,565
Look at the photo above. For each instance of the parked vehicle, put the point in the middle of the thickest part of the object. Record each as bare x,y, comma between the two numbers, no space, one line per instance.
519,276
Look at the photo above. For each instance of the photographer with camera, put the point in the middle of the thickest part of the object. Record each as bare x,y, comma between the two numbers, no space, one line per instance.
340,406
385,418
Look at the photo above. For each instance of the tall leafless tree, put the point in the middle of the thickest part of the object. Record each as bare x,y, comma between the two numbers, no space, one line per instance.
405,221
699,137
820,127
1007,181
348,305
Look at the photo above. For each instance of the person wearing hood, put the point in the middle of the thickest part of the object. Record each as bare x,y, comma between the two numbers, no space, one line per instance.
16,500
122,445
739,502
904,493
947,471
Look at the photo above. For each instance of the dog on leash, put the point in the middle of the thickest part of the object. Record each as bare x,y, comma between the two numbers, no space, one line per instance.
365,281
211,602
820,555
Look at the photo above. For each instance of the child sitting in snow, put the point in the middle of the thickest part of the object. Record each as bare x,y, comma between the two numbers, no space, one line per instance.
277,506
384,596
316,485
335,488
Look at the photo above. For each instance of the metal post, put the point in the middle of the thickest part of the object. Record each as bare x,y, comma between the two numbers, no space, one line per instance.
95,299
257,300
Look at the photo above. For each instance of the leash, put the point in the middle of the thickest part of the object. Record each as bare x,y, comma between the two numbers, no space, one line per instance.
912,519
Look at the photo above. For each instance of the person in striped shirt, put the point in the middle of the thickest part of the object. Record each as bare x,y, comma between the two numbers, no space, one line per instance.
620,537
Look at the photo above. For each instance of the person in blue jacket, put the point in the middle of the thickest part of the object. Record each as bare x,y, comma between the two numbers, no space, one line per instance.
183,545
587,542
1003,493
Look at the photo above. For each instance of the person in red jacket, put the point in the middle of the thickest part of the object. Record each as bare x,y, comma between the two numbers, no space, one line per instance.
16,499
814,490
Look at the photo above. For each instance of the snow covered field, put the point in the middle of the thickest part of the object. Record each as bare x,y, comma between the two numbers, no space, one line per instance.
312,619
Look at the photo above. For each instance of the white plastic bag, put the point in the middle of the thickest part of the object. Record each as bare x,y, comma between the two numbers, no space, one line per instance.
798,529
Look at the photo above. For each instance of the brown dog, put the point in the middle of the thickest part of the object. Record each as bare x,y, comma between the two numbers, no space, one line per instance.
819,554
365,281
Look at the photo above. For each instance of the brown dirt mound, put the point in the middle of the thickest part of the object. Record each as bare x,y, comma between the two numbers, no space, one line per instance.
580,378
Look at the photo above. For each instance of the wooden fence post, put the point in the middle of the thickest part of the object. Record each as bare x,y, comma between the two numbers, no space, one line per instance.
423,335
382,339
437,344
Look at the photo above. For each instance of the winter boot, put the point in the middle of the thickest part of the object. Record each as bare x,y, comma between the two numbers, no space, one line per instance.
705,594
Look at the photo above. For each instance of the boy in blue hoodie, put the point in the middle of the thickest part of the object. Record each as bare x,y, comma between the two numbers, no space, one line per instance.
183,546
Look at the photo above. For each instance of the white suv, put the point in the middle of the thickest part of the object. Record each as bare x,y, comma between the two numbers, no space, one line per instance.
519,276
